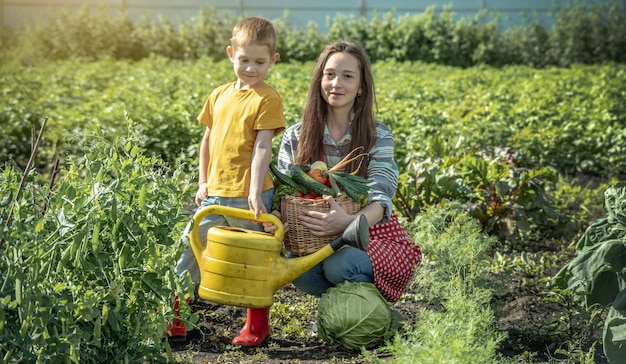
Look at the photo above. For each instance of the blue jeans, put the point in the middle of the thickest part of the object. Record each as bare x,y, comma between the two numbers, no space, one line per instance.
187,261
347,264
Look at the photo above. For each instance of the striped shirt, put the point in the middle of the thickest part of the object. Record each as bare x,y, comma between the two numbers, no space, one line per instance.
382,170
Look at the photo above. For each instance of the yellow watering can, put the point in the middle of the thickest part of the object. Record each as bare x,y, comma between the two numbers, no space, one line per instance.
242,267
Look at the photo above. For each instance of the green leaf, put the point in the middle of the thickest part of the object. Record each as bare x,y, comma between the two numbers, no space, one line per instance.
40,225
614,337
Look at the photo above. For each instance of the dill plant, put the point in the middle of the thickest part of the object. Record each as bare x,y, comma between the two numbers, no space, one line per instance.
461,327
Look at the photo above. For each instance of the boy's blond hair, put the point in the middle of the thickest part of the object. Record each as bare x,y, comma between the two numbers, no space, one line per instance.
254,31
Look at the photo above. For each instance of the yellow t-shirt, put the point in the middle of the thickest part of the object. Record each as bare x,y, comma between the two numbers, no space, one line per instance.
234,117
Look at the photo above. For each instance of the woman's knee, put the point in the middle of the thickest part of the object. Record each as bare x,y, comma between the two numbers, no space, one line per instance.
349,264
312,282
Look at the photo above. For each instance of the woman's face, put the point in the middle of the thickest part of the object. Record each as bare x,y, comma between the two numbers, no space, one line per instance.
341,80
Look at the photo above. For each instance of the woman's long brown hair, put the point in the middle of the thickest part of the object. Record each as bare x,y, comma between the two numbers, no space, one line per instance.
363,127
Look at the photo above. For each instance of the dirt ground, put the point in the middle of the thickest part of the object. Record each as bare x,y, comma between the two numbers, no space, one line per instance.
218,324
533,323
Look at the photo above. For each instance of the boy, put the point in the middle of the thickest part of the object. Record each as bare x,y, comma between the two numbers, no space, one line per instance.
241,118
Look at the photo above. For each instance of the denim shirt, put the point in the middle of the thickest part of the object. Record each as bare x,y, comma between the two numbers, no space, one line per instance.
382,170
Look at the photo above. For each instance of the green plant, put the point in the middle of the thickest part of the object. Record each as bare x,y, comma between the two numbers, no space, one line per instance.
86,265
576,354
591,34
597,275
290,315
580,201
80,35
205,35
297,44
459,325
507,197
583,34
8,41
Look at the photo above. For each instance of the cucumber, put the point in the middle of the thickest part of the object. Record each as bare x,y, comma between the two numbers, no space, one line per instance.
286,180
302,178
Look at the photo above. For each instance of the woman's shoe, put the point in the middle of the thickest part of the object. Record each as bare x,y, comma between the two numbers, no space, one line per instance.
256,329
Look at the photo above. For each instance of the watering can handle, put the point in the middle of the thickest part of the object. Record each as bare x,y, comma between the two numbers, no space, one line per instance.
242,214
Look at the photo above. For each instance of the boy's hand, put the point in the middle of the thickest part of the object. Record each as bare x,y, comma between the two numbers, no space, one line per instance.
256,204
201,194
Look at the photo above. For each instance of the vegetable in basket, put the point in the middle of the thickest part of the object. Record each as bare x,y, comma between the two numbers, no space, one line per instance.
300,175
356,315
316,180
349,183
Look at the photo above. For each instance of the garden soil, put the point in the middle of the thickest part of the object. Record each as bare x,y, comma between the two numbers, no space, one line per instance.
536,326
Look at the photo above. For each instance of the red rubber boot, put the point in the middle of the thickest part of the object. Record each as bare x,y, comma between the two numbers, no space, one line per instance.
256,329
176,330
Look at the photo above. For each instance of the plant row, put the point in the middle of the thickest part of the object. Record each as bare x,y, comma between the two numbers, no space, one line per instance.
568,119
497,139
580,34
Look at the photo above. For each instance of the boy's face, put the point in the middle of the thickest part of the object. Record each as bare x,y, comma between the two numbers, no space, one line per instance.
251,64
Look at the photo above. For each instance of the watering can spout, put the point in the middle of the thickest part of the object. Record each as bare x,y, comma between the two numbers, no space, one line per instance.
356,235
241,267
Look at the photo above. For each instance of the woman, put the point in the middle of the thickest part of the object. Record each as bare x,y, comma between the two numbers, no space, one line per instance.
338,117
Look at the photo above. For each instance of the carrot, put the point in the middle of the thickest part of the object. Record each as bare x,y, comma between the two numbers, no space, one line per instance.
349,158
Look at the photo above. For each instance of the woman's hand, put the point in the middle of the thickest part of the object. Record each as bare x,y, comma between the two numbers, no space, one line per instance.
333,222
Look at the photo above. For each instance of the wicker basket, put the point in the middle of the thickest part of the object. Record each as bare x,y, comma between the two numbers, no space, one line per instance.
299,240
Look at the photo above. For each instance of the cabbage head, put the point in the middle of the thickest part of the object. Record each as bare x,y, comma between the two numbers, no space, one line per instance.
355,315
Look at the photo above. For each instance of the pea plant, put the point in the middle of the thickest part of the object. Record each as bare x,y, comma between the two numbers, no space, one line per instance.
86,261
